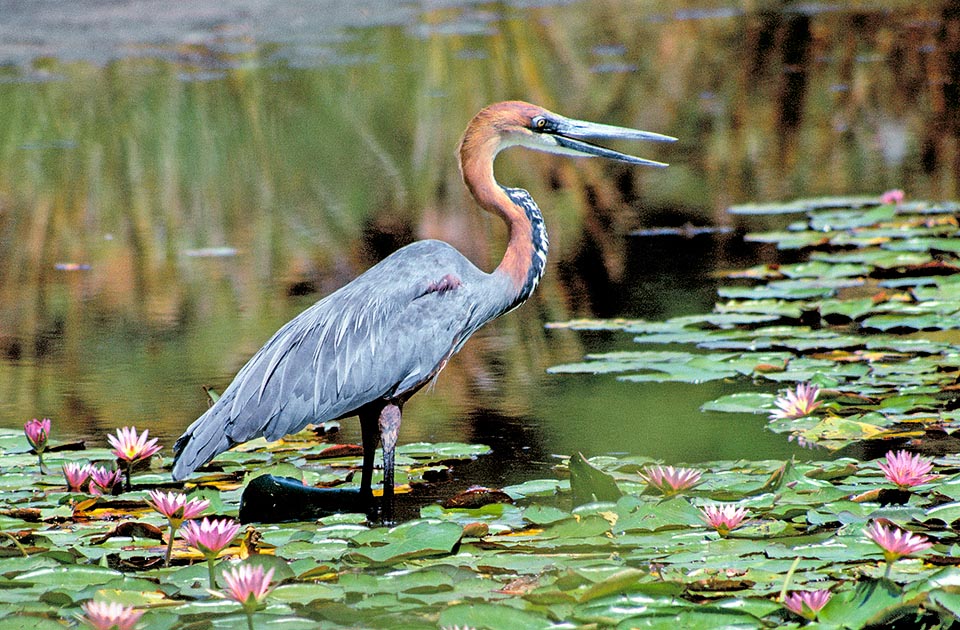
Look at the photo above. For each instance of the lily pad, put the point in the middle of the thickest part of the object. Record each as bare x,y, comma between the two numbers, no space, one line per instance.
409,540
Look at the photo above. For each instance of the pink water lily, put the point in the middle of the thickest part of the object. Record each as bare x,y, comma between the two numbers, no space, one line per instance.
247,585
723,518
131,447
177,508
37,432
893,197
103,480
110,615
76,475
669,480
210,537
807,603
895,542
793,404
906,470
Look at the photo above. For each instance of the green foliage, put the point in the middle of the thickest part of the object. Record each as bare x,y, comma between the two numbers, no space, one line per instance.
608,553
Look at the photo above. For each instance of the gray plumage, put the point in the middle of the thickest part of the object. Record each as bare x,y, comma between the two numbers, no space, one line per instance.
382,336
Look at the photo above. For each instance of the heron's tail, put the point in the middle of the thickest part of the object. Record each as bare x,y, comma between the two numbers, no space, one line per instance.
202,441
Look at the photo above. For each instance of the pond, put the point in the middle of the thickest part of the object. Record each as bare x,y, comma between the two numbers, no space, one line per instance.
172,192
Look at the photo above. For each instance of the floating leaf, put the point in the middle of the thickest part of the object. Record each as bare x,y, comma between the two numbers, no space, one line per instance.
588,484
409,540
871,602
743,402
491,616
674,513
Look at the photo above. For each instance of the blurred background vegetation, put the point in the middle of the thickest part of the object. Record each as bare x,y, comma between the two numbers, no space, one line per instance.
170,197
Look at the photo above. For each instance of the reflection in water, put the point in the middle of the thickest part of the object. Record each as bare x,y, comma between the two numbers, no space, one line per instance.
291,171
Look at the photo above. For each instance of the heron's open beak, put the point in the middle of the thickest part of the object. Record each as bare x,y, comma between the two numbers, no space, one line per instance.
570,137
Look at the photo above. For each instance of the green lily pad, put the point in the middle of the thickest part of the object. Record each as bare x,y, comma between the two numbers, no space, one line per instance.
491,617
588,484
742,402
409,540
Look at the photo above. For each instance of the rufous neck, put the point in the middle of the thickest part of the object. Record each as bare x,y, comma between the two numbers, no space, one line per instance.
476,165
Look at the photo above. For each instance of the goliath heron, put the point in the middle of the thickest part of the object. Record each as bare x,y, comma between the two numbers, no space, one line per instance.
366,348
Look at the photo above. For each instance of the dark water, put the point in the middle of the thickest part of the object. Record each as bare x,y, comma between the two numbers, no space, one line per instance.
174,188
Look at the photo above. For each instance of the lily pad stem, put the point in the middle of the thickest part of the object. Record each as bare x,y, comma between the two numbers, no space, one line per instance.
789,576
211,558
17,543
169,554
127,470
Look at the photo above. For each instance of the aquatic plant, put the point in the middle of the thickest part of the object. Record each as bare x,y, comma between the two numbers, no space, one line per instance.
906,470
37,432
797,403
895,542
76,475
893,197
344,557
807,603
723,518
177,508
110,615
210,537
131,448
103,480
669,480
247,585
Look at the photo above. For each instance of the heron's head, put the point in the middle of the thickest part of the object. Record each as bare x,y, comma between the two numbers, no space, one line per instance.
515,123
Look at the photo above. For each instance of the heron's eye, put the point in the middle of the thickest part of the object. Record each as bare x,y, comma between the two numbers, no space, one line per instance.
540,123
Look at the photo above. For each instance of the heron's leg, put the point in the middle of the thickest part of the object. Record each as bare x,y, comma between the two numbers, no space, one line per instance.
389,430
370,434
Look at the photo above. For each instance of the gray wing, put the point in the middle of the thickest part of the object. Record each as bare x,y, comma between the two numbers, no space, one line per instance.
385,333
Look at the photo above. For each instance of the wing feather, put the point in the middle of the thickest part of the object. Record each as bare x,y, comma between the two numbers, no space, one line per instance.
378,337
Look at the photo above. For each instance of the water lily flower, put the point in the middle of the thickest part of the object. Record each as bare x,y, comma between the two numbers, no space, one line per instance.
103,480
807,603
132,447
669,480
247,585
37,432
723,518
906,470
796,404
177,508
76,475
895,542
210,537
893,197
110,615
